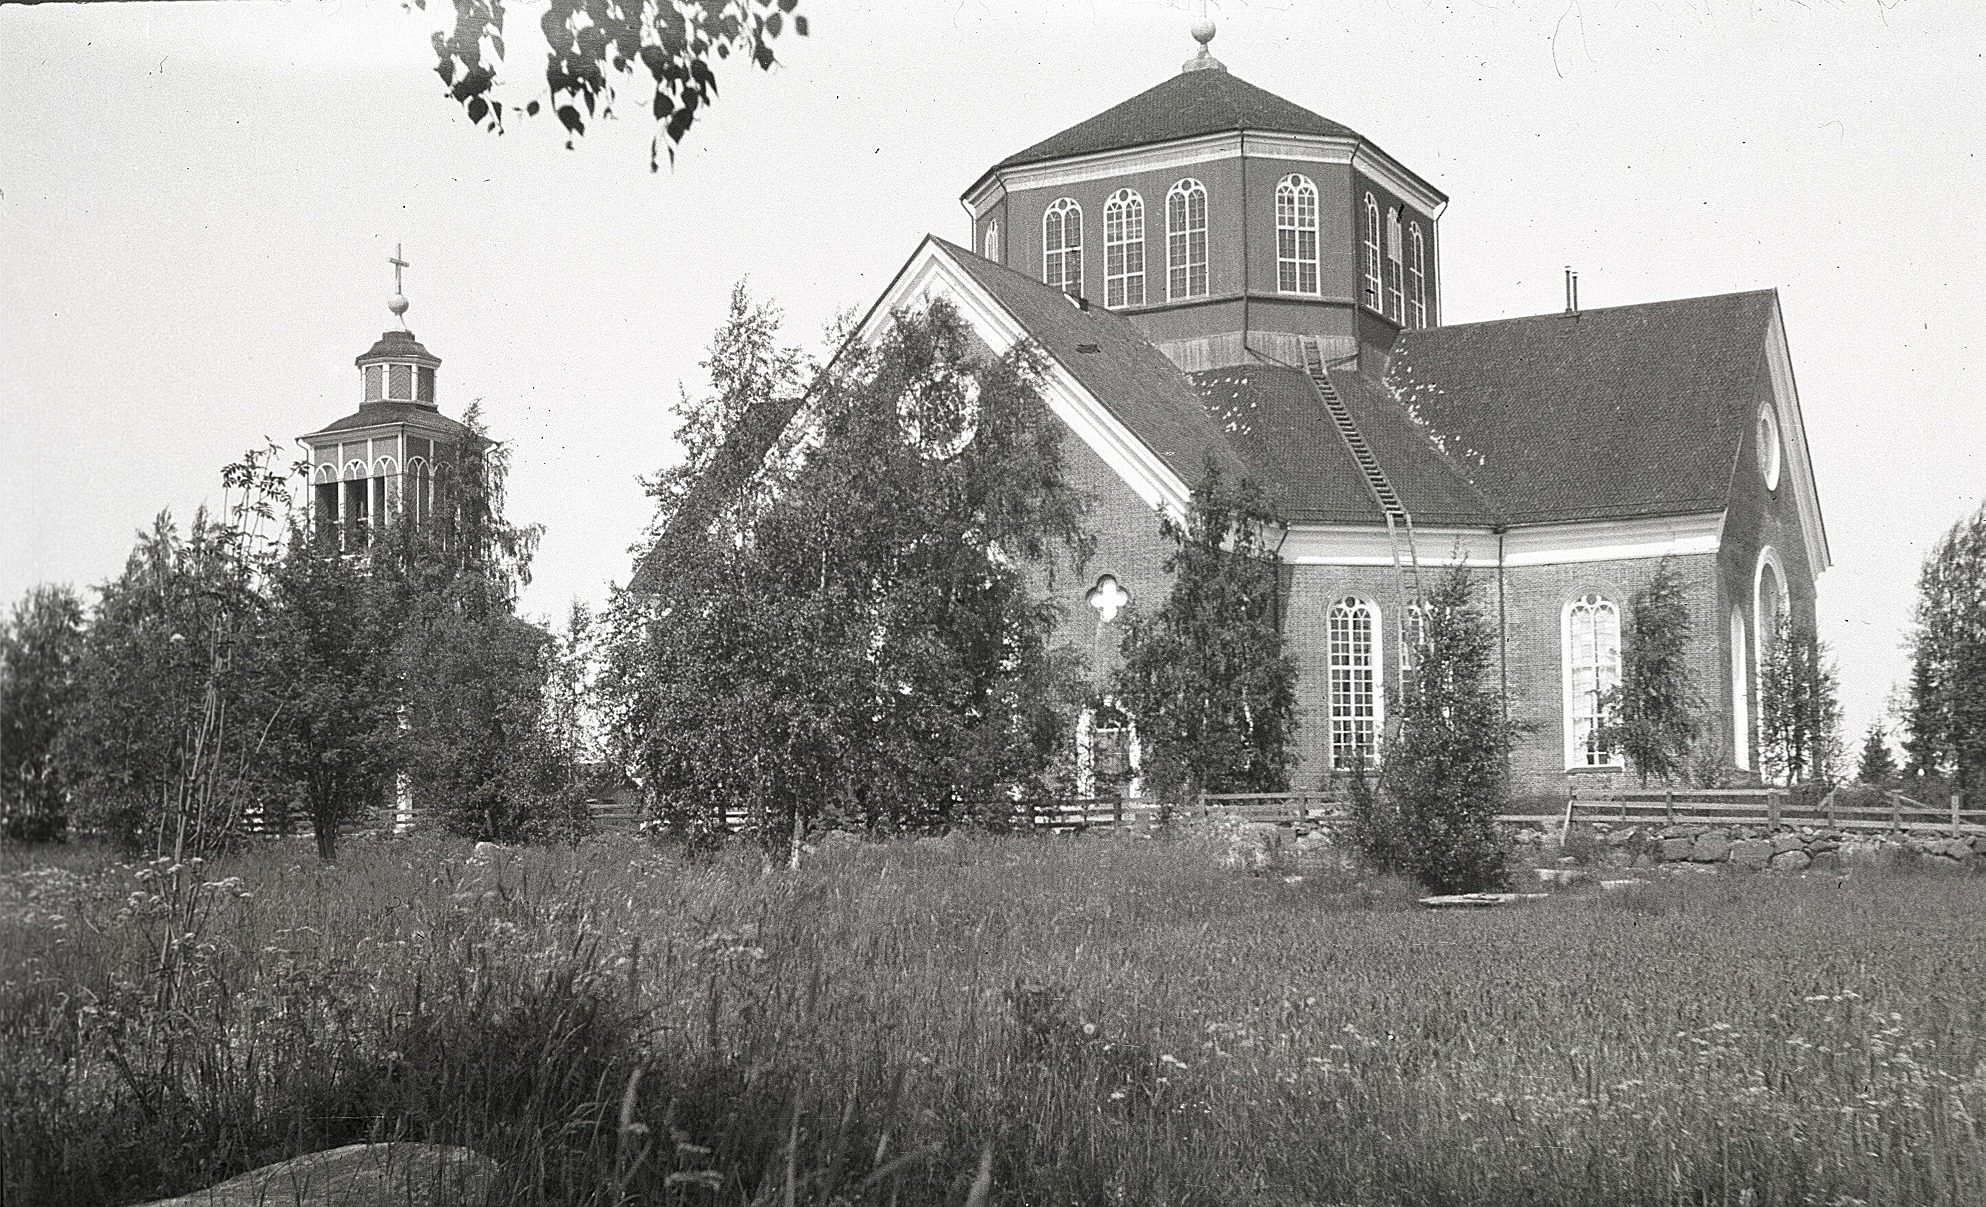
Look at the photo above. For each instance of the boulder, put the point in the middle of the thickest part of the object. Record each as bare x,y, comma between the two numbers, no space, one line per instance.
1787,841
1753,853
398,1174
1254,846
1790,861
1677,849
1621,837
1957,848
1480,900
1710,848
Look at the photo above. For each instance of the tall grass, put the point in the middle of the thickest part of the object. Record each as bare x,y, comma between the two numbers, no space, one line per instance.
1087,1021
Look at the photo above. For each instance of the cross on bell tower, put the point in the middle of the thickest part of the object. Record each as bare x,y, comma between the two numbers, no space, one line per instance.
398,302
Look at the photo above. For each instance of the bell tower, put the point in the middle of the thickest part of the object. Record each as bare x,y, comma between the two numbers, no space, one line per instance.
389,460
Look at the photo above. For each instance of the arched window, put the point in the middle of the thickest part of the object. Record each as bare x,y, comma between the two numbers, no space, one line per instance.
384,471
1108,757
1396,306
1413,631
1296,235
1592,669
358,501
1354,686
1416,277
1374,283
1741,695
1062,246
1186,241
1768,605
1124,250
417,489
989,243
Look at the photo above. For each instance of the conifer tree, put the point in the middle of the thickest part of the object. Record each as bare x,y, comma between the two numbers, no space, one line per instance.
1653,717
1876,765
1799,723
40,647
1446,773
1946,715
1207,676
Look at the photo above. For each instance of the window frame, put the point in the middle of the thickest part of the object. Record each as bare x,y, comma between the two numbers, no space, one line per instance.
1186,249
1741,693
1342,709
1396,287
1292,193
1416,276
989,241
1374,279
1127,209
1061,213
1580,753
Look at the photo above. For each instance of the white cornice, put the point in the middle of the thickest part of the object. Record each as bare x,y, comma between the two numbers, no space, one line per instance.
933,272
1533,545
1208,148
1793,435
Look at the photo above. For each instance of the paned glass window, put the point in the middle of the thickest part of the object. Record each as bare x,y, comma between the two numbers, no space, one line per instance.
1124,250
1354,661
1593,668
1062,246
989,243
1186,241
1296,235
1396,304
1374,283
1416,277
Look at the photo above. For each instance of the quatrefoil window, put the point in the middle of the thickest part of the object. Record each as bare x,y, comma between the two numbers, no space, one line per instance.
1107,598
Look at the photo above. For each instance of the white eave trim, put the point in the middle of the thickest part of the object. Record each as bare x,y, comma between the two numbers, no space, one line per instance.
1382,168
1793,441
1533,545
933,272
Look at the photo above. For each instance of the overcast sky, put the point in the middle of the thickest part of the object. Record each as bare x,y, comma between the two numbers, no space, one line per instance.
197,201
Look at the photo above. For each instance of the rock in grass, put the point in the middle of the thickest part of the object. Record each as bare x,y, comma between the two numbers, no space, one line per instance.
1790,861
359,1175
1710,848
1753,853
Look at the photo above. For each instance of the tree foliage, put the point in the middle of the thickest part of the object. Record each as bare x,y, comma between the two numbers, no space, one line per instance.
1207,676
1876,765
1654,716
1945,719
1799,722
854,641
592,44
1445,777
40,647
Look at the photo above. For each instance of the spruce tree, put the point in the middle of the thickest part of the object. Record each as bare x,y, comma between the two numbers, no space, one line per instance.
1876,765
1946,717
1207,676
1654,716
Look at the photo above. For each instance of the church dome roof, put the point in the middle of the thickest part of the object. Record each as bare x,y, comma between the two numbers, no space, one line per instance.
401,346
1187,105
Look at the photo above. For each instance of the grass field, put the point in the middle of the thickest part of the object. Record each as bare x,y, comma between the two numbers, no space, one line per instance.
1114,1021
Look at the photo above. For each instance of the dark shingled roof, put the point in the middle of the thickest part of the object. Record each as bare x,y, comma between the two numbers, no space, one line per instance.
1272,417
399,345
1187,105
1616,413
1433,485
1125,372
411,413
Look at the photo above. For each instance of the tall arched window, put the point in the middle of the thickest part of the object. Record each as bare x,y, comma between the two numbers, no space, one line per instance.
1416,277
1186,240
1354,685
1062,246
1396,306
1741,694
1768,605
1592,669
417,489
1296,235
1124,250
1374,282
989,243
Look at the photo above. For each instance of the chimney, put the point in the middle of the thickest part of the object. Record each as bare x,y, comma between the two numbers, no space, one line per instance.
1571,292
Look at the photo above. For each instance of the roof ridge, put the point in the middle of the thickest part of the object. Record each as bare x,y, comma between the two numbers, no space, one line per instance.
1591,310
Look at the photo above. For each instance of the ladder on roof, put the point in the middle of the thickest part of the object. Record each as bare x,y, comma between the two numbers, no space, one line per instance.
1397,516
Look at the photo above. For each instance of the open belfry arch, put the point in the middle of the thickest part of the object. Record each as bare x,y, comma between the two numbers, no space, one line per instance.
390,458
1217,275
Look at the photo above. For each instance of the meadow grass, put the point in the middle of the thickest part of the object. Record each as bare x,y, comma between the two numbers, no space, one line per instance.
1110,1020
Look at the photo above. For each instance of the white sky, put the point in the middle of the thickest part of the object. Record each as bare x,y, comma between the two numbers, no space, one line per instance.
197,201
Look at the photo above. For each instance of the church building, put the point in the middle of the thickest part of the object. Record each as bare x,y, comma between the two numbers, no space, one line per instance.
1218,274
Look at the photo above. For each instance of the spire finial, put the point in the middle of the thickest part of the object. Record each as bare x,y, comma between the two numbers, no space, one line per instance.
398,302
1203,33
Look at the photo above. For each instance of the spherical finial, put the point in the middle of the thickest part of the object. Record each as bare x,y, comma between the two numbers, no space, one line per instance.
1203,31
397,304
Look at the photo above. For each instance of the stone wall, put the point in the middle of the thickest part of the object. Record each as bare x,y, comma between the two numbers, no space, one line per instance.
1789,849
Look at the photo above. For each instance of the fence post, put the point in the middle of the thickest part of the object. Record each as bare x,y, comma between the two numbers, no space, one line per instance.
1117,812
1895,811
1771,809
1830,807
1955,804
1669,804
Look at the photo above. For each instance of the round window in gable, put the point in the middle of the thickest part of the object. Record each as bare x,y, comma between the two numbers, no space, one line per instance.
1768,447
